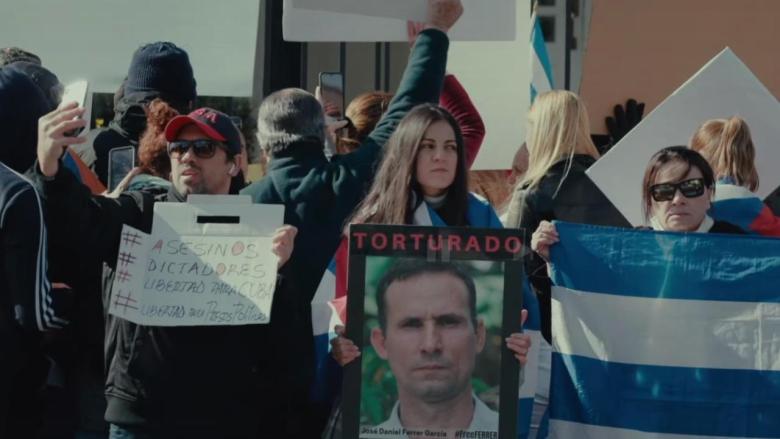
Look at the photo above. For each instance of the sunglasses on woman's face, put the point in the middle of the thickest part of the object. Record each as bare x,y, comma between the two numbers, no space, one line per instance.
202,148
689,188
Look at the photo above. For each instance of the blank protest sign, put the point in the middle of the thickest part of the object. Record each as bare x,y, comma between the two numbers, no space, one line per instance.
376,20
724,87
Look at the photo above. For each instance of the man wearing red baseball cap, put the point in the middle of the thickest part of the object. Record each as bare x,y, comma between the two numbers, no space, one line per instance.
205,148
167,381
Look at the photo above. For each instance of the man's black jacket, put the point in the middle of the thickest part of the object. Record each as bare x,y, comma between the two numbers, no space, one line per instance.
209,380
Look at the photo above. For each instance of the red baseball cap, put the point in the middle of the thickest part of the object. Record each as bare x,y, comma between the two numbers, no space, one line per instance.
214,124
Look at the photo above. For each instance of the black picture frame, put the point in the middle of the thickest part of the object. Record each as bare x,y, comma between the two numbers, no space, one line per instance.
455,245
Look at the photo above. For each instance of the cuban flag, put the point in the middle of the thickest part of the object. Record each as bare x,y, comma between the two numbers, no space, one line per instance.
737,205
541,69
329,309
664,335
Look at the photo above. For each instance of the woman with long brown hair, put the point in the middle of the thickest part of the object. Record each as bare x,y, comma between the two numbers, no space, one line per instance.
728,147
422,180
424,162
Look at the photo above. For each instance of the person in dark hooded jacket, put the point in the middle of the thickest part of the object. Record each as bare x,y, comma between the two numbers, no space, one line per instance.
76,403
27,302
22,105
157,70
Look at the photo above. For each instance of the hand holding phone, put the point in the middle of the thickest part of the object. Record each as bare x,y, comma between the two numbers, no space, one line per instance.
330,93
52,140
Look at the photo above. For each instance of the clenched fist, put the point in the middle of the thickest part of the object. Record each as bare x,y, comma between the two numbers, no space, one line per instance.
443,14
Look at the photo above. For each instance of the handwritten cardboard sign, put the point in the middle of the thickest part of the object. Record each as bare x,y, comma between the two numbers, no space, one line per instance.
202,265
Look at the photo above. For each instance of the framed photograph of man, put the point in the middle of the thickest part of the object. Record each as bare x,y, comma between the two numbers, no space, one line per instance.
430,308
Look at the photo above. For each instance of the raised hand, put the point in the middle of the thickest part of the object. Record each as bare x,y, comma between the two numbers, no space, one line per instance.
624,120
413,29
53,137
443,14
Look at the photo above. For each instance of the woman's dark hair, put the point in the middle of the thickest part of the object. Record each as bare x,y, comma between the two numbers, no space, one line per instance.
680,154
390,199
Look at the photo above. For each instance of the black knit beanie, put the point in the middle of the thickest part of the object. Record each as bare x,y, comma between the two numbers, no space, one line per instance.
22,103
163,68
45,80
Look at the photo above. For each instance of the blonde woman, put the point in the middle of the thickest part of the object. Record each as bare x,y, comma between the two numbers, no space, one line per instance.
560,150
555,185
728,147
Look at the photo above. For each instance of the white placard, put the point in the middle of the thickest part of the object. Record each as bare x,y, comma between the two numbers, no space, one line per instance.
95,39
724,87
189,272
359,20
414,10
497,77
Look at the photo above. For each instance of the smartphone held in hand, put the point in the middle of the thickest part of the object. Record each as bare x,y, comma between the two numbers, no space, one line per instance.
332,94
78,92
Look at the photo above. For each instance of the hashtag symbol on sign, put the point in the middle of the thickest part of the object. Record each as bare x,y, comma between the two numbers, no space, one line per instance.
126,259
126,302
130,238
123,276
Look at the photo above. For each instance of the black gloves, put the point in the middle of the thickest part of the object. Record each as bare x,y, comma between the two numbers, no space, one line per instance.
624,120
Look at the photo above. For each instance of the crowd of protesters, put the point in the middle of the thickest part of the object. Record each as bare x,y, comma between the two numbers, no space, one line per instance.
70,369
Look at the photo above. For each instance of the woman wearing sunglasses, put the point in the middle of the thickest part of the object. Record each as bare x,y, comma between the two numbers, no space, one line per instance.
677,192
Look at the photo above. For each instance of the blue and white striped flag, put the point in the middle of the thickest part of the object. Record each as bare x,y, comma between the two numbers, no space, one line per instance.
664,335
541,69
